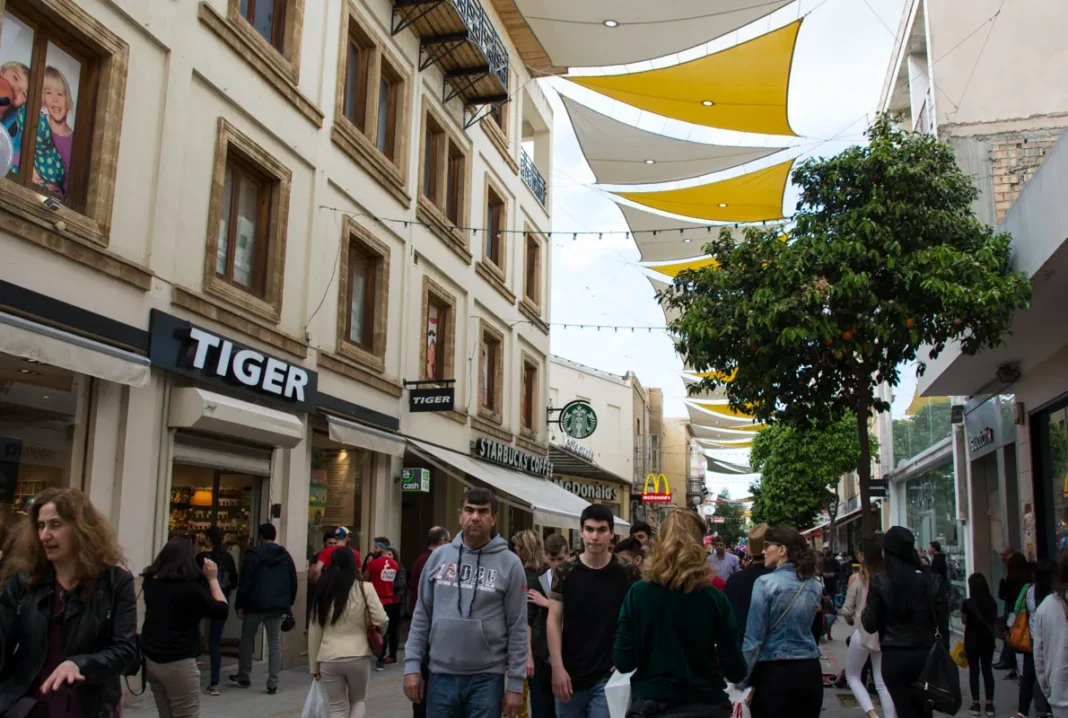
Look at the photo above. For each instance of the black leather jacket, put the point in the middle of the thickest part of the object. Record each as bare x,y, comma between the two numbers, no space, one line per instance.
913,627
99,633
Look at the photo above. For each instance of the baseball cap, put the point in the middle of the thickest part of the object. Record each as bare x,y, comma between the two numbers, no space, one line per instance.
341,532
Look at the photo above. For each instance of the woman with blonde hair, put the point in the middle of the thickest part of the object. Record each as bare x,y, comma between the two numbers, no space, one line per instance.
69,611
676,632
529,548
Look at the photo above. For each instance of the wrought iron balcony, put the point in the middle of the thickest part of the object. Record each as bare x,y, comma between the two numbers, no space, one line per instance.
532,176
459,36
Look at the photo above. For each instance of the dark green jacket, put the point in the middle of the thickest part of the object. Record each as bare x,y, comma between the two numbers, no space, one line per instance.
536,619
681,645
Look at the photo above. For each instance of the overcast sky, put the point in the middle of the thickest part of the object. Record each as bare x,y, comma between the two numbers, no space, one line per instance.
841,59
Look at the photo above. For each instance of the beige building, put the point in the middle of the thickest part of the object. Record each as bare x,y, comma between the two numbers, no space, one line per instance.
683,463
249,231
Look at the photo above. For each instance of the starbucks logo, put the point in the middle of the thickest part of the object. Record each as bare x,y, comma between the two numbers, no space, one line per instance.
578,420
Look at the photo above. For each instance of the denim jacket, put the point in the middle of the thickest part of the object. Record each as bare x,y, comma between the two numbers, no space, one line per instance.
792,638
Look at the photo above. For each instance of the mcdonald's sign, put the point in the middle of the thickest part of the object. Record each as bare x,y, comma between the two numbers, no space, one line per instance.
656,496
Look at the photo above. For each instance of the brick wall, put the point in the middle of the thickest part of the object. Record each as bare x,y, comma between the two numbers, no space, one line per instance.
1014,158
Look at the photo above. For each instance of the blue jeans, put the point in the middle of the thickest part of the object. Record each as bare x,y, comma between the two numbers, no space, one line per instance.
587,703
477,696
215,649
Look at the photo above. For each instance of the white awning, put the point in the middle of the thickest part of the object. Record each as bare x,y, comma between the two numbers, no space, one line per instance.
609,32
352,434
30,340
550,504
610,146
202,410
674,239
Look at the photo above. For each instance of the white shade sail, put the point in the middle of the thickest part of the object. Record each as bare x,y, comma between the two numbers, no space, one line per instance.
619,153
674,238
577,33
700,417
670,313
718,434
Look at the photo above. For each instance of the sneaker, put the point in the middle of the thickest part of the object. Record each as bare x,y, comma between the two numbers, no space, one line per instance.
271,690
213,689
974,710
380,665
238,682
990,709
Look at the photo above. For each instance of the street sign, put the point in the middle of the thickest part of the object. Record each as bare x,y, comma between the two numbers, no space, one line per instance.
656,496
578,419
415,481
878,489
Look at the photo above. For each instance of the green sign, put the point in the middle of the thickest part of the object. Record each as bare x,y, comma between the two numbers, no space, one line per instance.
415,481
578,419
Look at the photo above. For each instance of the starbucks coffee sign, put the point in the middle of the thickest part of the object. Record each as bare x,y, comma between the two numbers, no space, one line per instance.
578,419
513,458
590,491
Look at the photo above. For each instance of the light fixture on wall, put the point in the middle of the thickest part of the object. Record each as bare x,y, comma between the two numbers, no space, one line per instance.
1008,374
201,497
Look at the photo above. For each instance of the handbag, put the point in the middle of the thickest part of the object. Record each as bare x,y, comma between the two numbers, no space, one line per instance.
374,637
1019,636
938,687
289,622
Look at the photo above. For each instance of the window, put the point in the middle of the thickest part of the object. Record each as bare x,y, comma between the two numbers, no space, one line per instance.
443,181
494,228
363,268
357,65
52,73
490,372
363,295
496,114
532,276
386,131
268,17
372,91
438,338
241,251
528,410
433,140
454,184
247,222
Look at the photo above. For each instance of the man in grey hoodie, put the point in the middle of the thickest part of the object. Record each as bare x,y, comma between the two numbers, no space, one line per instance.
471,618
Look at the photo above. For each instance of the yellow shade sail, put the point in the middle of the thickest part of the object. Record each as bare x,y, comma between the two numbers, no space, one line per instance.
742,88
752,197
677,268
717,375
724,409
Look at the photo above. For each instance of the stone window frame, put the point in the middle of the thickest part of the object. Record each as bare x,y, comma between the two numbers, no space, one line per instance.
496,273
361,145
529,360
501,135
230,139
446,334
81,236
432,211
535,302
493,414
374,359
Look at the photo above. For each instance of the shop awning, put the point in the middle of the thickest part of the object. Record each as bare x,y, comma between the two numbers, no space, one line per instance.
202,410
364,437
30,340
550,504
838,522
564,462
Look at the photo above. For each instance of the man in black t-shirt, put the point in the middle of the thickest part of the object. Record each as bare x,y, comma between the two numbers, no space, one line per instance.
585,599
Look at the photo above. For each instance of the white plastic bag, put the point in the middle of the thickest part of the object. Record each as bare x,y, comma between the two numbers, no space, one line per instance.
617,694
315,703
738,696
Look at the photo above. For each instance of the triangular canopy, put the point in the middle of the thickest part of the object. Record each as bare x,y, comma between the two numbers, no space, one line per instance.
742,88
676,268
725,467
699,417
724,408
597,33
610,146
670,313
752,197
720,434
732,444
674,238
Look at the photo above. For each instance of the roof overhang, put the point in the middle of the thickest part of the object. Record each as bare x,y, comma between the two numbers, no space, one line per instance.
565,462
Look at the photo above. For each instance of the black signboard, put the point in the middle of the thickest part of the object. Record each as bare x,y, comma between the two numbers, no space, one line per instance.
878,489
437,399
184,348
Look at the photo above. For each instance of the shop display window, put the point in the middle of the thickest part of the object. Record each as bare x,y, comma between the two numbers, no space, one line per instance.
204,497
336,497
1051,481
38,424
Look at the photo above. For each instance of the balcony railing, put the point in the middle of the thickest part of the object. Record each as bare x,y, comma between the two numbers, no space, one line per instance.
532,176
459,36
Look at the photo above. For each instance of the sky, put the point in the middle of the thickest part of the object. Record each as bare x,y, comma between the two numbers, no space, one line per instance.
841,60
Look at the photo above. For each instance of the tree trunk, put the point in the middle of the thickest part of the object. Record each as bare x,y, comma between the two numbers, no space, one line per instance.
832,514
864,469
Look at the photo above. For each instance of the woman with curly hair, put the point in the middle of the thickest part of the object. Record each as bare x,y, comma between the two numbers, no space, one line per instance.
676,632
779,647
70,610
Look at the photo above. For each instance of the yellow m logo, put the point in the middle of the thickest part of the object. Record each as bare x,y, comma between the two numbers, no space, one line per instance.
656,495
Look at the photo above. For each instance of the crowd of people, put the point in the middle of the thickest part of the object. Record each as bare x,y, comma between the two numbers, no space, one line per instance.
525,627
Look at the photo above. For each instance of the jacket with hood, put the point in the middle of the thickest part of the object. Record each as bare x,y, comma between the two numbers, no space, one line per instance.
471,613
268,580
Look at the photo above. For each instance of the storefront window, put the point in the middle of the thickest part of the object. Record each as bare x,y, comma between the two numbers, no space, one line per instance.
932,516
38,410
338,478
927,423
1051,480
204,497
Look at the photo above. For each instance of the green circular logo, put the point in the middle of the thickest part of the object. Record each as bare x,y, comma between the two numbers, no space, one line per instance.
578,419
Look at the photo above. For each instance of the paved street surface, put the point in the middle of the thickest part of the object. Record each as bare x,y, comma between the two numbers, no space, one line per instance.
386,699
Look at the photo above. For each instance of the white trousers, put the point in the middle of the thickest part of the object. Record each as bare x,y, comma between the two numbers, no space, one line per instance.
856,657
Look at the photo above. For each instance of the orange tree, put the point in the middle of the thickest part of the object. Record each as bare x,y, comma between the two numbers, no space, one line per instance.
885,256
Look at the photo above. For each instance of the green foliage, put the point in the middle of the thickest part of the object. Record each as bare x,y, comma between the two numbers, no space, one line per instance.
918,433
1058,449
799,467
733,527
885,256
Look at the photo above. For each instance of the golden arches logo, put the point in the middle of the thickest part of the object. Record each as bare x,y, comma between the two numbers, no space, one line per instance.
656,496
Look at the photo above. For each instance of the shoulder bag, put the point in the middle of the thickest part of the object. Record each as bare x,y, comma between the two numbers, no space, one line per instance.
938,687
1019,635
374,637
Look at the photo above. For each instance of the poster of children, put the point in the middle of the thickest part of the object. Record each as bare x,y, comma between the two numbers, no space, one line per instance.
57,86
431,341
